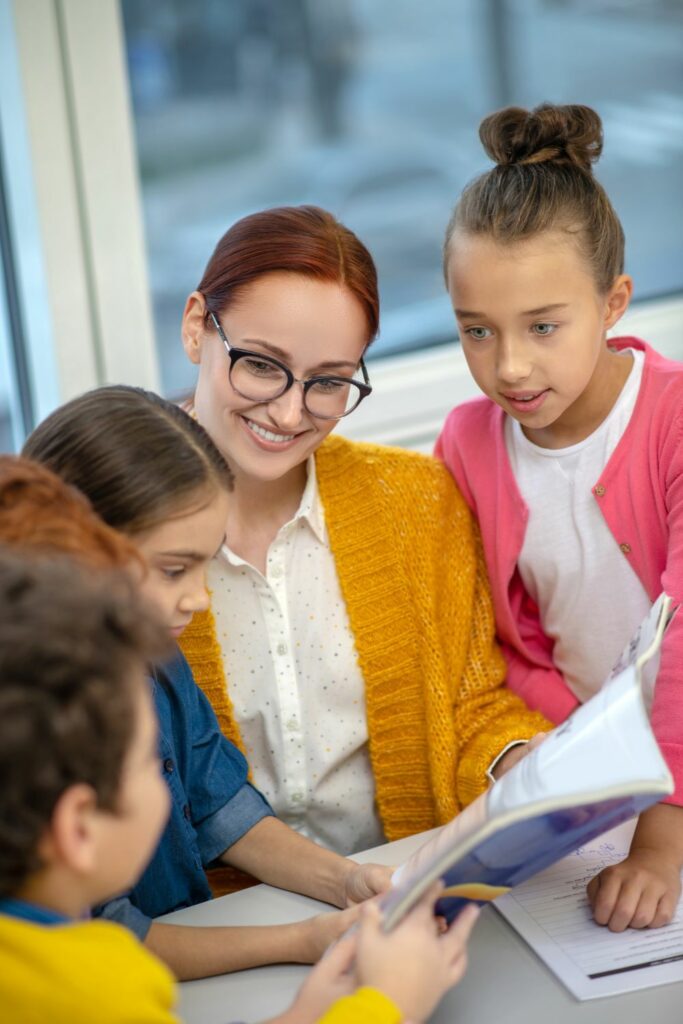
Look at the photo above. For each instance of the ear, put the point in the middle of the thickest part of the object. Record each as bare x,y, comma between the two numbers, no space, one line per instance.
617,300
71,838
193,326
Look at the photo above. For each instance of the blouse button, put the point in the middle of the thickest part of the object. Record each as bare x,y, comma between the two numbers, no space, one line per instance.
626,548
598,490
168,765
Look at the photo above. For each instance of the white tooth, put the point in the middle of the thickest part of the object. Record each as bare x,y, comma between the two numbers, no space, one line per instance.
268,435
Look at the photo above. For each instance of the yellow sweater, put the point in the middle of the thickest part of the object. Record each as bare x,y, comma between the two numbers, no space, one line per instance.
412,574
80,973
97,971
367,1005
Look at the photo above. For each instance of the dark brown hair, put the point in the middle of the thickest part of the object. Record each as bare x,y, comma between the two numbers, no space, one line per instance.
543,181
41,514
73,648
295,239
139,459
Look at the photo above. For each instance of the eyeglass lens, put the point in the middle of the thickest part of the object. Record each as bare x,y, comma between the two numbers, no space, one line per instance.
261,381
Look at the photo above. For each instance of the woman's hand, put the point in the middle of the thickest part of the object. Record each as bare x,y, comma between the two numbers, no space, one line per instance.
517,754
365,881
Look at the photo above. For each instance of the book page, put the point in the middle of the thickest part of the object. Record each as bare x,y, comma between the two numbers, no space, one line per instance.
552,914
644,648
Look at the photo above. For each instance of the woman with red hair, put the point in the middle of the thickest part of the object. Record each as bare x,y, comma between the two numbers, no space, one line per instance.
349,648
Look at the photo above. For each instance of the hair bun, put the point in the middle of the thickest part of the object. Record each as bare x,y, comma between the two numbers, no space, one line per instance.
569,134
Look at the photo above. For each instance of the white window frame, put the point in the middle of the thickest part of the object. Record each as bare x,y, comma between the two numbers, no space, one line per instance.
85,183
82,151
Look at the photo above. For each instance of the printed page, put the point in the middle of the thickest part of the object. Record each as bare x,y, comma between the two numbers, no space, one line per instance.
552,914
647,639
644,648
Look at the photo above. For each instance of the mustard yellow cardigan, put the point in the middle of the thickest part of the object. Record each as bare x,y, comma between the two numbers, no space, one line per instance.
412,574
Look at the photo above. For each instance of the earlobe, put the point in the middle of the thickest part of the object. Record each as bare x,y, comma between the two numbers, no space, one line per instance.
193,326
618,299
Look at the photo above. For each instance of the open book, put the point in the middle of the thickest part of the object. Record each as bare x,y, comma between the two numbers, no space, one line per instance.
595,770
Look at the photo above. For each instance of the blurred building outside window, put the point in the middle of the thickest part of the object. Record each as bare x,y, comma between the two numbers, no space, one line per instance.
370,108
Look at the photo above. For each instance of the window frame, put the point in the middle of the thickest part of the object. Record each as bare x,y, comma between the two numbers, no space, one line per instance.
81,145
85,184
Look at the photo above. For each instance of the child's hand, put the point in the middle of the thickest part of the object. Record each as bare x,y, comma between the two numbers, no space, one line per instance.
329,980
366,881
640,892
321,931
416,963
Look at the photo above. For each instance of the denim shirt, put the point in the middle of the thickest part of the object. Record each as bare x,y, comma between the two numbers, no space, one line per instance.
33,912
212,804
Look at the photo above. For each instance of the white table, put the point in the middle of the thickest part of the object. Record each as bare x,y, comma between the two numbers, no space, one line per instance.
505,982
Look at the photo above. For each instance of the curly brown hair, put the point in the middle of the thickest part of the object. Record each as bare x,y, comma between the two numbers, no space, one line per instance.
42,514
73,650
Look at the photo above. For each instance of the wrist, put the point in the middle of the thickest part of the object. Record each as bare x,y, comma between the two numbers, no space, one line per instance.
345,869
302,947
332,879
653,852
319,873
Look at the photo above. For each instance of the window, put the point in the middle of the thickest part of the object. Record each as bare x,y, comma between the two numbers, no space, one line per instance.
370,108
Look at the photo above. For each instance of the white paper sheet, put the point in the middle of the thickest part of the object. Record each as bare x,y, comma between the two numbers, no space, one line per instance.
552,914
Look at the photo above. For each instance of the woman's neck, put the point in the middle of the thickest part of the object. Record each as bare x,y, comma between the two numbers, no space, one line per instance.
259,509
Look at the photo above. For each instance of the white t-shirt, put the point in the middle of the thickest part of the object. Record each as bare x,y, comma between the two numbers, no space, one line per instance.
295,683
589,597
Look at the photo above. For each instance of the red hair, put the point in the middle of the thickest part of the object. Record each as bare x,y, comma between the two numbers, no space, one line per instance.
295,239
42,514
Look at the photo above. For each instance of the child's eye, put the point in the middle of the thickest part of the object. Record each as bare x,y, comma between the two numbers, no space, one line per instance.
173,574
543,330
479,333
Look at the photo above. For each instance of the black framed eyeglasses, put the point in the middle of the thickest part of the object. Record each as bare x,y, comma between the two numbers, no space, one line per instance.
262,378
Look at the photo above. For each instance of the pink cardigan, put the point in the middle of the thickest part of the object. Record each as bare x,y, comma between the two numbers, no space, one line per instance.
640,494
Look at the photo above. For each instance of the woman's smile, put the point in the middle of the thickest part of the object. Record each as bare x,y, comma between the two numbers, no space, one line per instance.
270,438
